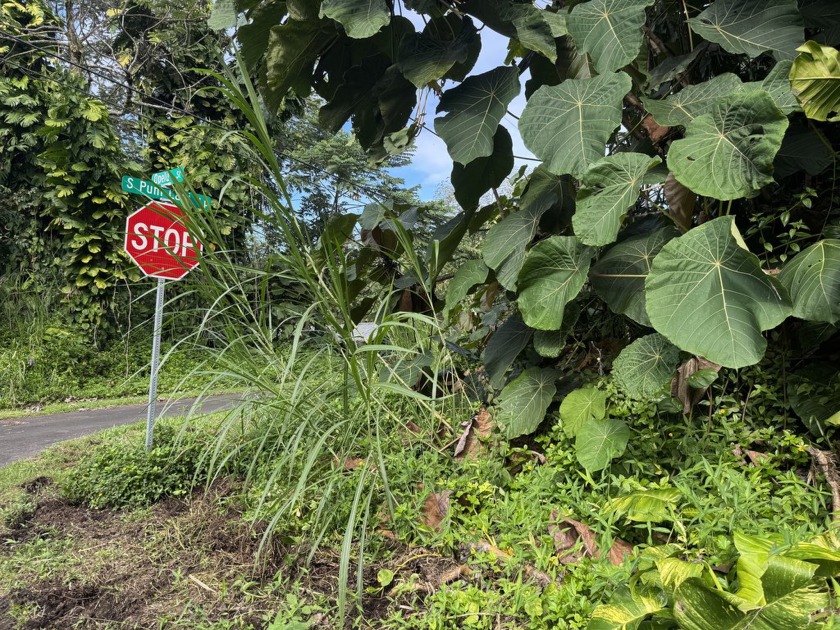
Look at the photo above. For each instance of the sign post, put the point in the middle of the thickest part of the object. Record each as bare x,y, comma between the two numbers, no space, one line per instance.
158,241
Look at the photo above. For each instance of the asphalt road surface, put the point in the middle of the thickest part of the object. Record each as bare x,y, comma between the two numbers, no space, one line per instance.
26,437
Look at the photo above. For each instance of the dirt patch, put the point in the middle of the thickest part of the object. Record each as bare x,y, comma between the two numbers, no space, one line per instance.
144,569
33,486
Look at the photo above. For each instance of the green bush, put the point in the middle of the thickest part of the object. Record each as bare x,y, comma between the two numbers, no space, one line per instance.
126,476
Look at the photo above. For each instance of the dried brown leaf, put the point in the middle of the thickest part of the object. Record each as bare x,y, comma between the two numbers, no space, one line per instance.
567,533
435,509
681,202
681,390
656,132
476,429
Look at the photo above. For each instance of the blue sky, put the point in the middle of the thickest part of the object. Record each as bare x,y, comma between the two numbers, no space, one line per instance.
431,164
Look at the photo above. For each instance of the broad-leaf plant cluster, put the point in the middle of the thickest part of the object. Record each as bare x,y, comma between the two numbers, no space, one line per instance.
677,143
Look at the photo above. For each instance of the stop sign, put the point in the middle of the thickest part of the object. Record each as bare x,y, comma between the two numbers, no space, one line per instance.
157,240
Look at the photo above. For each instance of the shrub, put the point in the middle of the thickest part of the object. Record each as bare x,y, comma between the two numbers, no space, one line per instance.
126,476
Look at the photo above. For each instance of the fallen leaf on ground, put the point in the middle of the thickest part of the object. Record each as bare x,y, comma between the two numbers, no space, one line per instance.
435,509
567,533
476,429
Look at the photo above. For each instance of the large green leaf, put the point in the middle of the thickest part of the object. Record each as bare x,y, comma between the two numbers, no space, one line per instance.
692,101
647,506
752,26
813,279
815,78
625,611
804,148
360,18
253,36
430,55
777,85
482,174
535,28
728,153
599,442
475,108
469,274
699,607
644,368
609,30
290,56
223,15
619,275
505,243
567,125
709,295
546,190
610,188
552,275
580,407
504,346
524,401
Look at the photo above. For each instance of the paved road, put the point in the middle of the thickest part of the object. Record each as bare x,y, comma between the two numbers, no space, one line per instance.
26,437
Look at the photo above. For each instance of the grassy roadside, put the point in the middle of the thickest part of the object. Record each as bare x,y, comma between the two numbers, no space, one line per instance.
508,536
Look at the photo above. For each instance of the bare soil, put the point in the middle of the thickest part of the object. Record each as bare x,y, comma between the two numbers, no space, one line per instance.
144,570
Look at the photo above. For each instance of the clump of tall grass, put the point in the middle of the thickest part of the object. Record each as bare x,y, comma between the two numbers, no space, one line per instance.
320,398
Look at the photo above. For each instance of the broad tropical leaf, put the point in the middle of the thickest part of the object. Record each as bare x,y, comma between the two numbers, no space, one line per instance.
644,368
430,55
552,275
482,174
475,108
504,346
546,190
223,15
360,18
813,279
815,79
647,506
599,442
692,101
673,571
609,30
567,125
698,607
777,85
505,243
804,148
581,407
625,611
523,401
292,50
619,275
469,274
728,153
709,295
550,343
610,188
752,26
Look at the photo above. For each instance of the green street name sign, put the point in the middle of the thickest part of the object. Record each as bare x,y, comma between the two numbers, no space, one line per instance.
139,186
165,178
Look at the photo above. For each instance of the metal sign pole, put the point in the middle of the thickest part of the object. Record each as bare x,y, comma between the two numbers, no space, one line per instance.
153,381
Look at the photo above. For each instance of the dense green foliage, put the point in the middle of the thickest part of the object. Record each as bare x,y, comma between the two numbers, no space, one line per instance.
124,475
707,132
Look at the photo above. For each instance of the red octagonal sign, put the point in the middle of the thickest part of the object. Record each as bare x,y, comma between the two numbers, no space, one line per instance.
157,240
